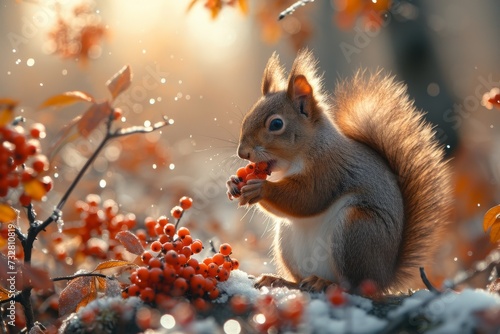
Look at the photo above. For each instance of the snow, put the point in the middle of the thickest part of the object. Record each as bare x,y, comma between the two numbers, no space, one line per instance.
238,283
451,312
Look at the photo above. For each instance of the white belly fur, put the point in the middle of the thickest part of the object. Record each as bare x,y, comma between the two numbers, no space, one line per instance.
306,243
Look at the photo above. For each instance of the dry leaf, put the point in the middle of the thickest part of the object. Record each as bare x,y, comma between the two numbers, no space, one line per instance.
120,81
65,99
93,117
35,189
130,241
4,294
491,223
76,290
7,213
112,264
92,295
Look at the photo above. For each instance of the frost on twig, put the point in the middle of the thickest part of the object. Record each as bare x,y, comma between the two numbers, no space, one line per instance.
290,10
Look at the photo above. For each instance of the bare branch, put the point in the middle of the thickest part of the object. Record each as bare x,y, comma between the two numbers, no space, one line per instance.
69,278
142,129
290,10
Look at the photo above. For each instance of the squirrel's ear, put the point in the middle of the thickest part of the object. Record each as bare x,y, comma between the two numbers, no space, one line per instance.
273,78
301,93
299,87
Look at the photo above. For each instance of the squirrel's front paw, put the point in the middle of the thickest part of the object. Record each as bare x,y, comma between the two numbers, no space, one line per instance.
252,192
233,187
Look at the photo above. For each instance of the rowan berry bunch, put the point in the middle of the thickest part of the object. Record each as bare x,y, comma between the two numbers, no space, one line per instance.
99,223
21,162
172,270
252,171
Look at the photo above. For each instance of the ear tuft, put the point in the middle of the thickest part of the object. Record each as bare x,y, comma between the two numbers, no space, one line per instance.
273,79
304,79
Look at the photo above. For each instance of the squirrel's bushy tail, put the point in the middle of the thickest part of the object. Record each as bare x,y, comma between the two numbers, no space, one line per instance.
376,110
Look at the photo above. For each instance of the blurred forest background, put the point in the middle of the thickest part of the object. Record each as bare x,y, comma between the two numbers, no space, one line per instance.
202,67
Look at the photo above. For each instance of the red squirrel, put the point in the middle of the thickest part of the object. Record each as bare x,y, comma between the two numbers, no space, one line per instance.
362,189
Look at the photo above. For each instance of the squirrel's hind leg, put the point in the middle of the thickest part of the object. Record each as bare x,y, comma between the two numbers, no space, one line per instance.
314,284
275,281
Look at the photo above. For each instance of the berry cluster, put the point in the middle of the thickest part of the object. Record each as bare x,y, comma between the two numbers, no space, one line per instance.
172,271
21,162
98,219
252,171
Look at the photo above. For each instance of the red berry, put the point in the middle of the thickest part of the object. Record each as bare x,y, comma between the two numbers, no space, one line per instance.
241,173
143,273
169,229
24,199
196,246
225,249
186,202
147,295
218,259
183,231
37,130
177,212
335,295
156,246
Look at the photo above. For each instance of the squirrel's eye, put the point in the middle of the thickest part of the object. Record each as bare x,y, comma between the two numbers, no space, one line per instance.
276,124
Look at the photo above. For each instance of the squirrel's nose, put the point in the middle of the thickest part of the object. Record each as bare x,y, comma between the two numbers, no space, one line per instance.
243,153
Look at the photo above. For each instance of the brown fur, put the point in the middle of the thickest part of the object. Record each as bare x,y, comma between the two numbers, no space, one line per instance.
364,192
375,110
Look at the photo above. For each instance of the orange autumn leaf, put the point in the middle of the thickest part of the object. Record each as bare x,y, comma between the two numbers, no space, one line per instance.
4,294
7,213
214,6
243,6
120,81
35,189
65,99
91,119
112,264
79,292
491,223
6,111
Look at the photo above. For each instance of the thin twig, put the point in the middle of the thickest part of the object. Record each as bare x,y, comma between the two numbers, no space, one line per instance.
292,8
68,278
426,281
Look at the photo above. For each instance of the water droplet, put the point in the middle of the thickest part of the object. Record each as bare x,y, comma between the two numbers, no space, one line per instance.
60,225
147,124
170,121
